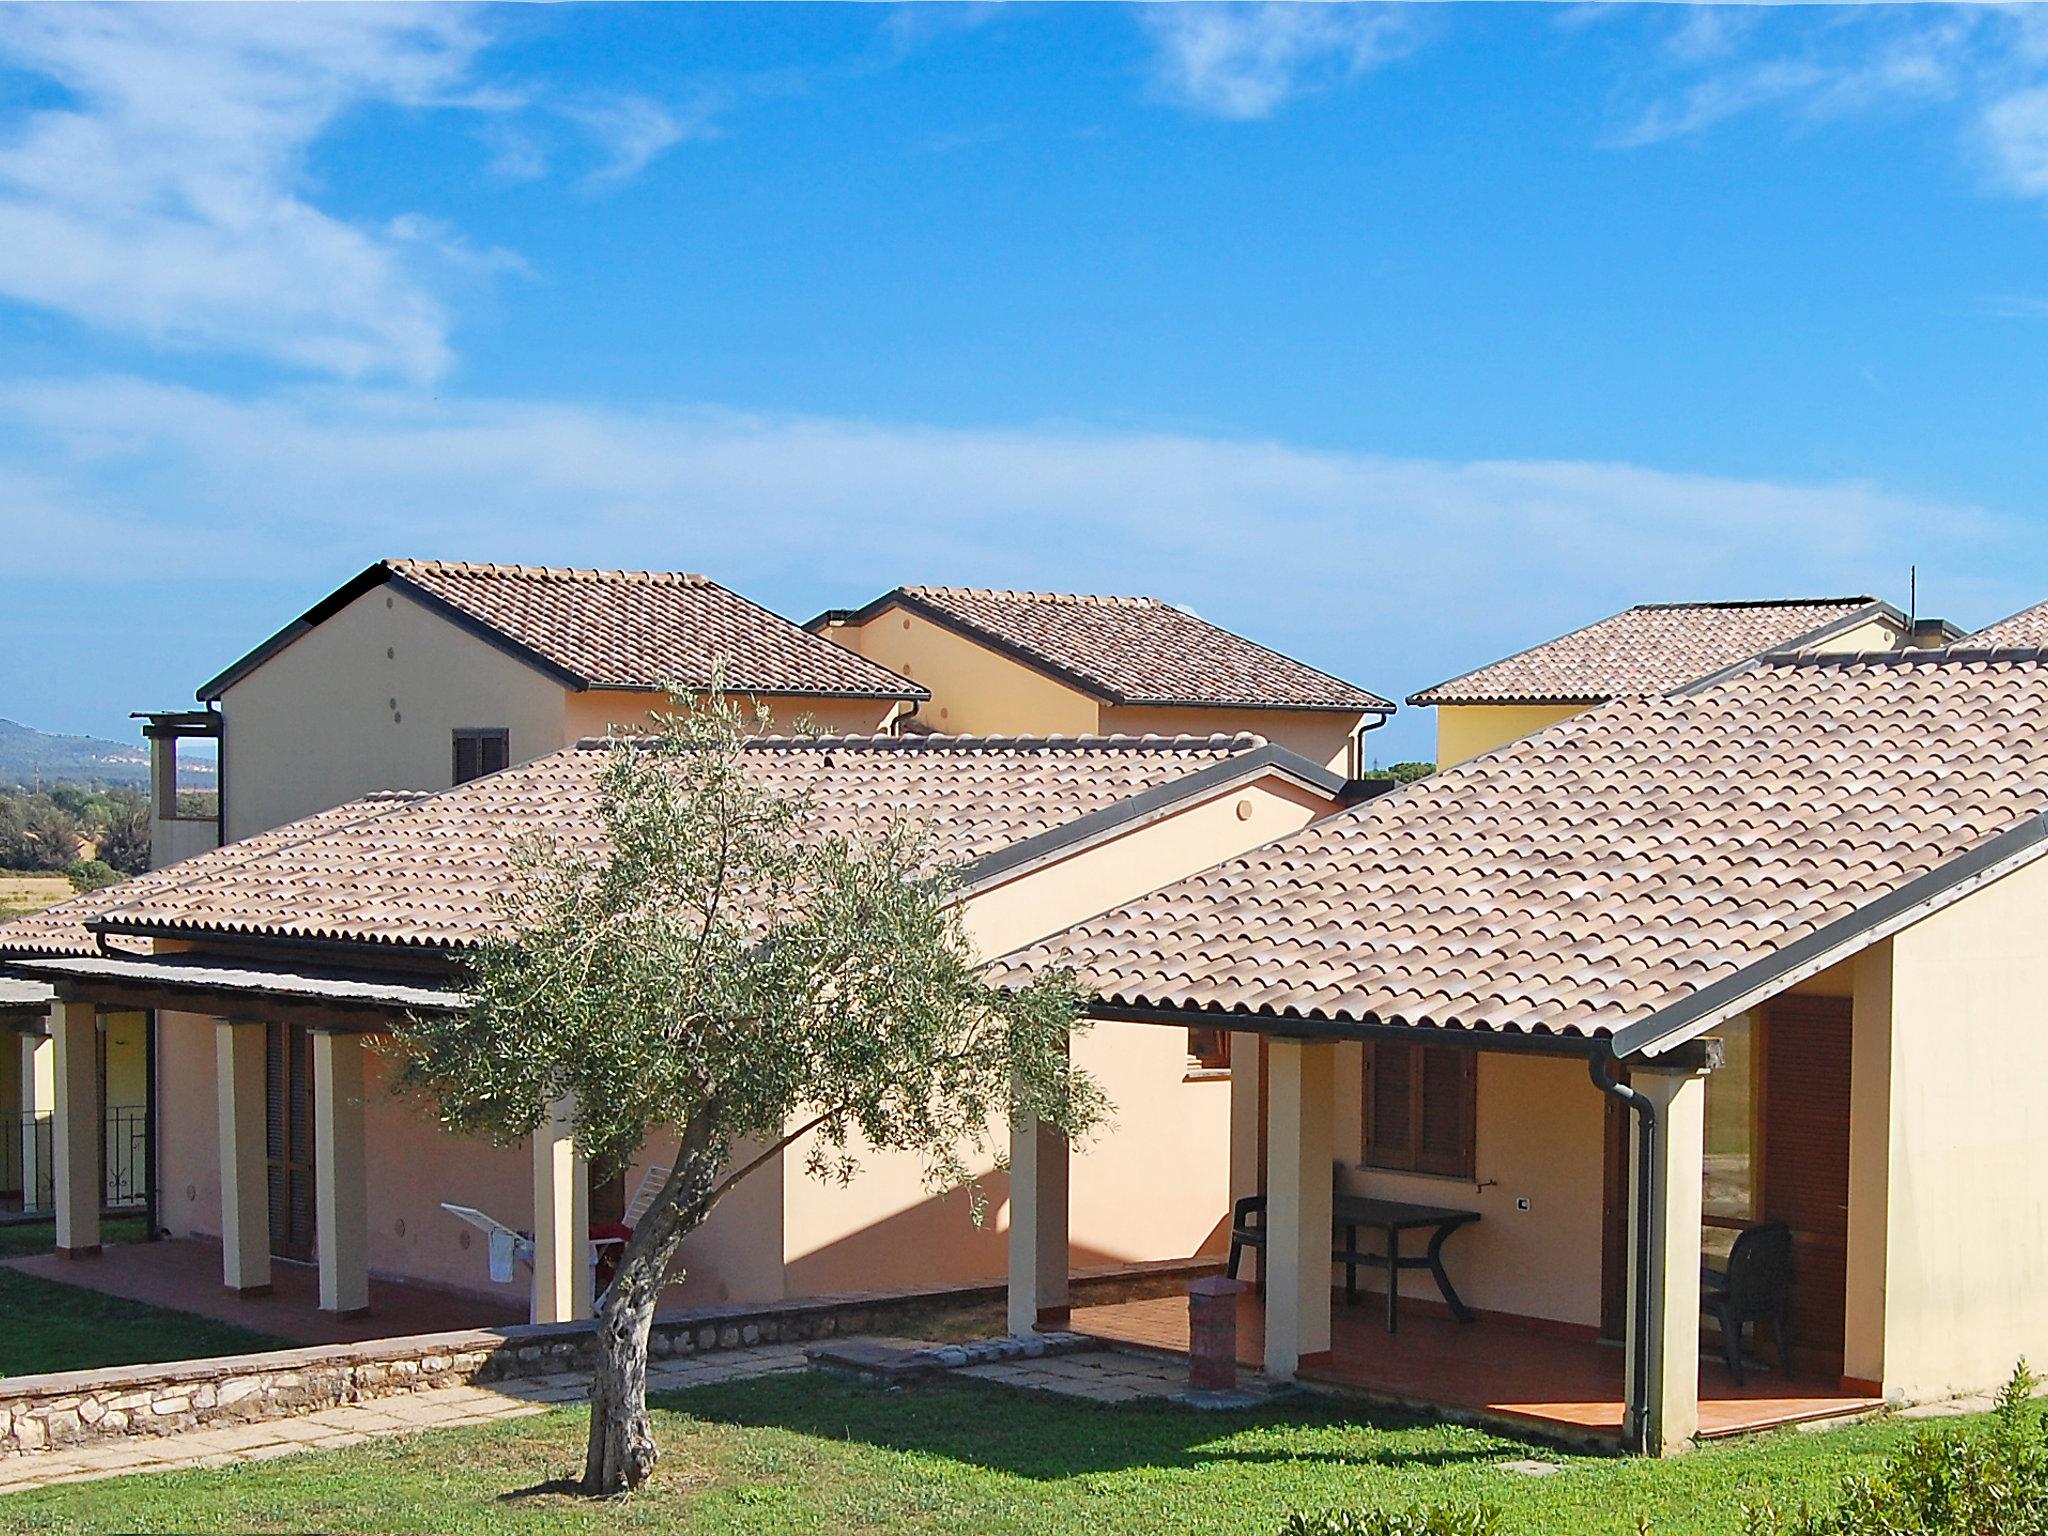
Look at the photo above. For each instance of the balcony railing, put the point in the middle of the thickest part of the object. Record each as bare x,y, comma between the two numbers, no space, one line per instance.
28,1164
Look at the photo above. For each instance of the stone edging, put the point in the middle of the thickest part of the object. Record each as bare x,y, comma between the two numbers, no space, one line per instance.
39,1413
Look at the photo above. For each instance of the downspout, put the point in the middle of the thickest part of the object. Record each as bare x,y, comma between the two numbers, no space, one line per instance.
1636,1419
1358,741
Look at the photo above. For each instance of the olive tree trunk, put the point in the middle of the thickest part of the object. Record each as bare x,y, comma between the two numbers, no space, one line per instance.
622,1452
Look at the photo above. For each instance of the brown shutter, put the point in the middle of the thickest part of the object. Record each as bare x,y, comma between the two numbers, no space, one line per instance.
1418,1109
1805,1072
1390,1104
1448,1080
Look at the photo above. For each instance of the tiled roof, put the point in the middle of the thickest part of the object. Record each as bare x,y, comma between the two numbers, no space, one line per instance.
618,629
61,929
2028,627
1651,648
1133,650
433,872
1611,867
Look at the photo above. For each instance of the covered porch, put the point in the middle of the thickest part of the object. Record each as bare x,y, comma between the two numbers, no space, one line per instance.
289,1045
1590,1197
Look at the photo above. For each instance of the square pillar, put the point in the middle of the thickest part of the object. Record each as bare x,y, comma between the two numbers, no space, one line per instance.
1038,1226
561,1220
77,1139
340,1195
1244,1137
1299,1106
240,1090
38,1104
1671,1252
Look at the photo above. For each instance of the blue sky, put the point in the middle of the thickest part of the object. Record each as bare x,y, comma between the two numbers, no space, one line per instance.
1398,337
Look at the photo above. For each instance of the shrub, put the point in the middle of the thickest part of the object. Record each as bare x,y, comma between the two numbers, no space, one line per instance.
91,875
1418,1520
1985,1482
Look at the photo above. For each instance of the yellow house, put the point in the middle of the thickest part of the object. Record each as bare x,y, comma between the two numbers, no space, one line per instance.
418,674
270,961
1748,975
1080,665
1648,649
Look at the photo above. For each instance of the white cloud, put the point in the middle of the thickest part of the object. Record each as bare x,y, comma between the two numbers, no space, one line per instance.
631,130
1244,61
1394,570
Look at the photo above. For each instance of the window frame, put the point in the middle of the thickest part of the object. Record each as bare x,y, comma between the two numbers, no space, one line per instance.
1413,1156
482,736
1209,1058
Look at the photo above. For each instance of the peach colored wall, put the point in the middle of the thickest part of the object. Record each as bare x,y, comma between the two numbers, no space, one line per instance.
188,1126
1466,730
974,690
737,1254
316,724
1157,1185
1321,736
600,710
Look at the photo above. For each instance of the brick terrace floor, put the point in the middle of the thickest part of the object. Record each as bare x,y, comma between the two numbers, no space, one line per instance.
1560,1386
352,1423
184,1275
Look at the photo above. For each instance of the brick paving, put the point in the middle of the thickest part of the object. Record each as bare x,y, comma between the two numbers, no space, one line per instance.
353,1423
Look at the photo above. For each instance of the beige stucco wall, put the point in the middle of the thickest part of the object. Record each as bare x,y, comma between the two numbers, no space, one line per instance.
1321,736
188,1126
369,700
1878,634
1466,730
974,690
1540,1136
1964,1219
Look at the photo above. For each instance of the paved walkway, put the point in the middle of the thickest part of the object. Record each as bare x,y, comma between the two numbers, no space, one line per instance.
332,1428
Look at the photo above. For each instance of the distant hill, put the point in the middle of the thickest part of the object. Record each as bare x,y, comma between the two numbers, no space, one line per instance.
29,756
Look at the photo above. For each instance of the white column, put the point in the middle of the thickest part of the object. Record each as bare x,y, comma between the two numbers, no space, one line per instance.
77,1138
1672,1253
561,1220
240,1092
1299,1101
340,1197
38,1102
1038,1226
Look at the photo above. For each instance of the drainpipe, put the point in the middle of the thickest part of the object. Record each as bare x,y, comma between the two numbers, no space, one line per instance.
1636,1418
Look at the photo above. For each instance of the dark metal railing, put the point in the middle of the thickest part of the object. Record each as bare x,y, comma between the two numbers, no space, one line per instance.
28,1163
127,1155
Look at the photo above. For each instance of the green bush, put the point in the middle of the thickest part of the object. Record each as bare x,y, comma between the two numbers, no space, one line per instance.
91,874
1418,1520
1985,1482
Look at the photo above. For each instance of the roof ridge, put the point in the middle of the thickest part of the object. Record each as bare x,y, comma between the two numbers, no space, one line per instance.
1861,601
933,741
592,574
1922,656
1022,594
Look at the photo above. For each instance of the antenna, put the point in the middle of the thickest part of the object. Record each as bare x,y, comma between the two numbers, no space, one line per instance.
1912,594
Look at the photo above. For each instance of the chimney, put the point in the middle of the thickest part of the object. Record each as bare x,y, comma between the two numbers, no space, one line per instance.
1927,635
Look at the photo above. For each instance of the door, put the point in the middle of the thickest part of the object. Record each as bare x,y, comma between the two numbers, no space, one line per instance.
288,1138
1804,1114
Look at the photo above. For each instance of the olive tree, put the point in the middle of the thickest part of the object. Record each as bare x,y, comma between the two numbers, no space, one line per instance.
714,965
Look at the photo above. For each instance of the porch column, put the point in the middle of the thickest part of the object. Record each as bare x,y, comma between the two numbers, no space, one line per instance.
561,1220
1298,1195
239,1090
1671,1249
1244,1137
340,1198
77,1137
38,1103
1038,1226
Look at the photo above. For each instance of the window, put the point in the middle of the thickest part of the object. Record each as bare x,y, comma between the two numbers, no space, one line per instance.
1208,1049
1421,1103
1728,1198
480,752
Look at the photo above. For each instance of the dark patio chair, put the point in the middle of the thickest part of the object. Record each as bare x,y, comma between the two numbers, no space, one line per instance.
1247,1229
1756,1287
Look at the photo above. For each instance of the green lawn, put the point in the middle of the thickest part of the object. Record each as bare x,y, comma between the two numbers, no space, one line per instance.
818,1454
54,1327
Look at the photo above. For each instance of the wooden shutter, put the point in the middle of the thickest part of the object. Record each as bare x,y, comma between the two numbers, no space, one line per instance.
468,753
1420,1108
494,751
1804,1067
288,1138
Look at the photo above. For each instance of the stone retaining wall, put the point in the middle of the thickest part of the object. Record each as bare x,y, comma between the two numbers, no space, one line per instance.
39,1413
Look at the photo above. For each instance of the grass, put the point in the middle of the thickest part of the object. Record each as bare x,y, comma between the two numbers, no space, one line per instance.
55,1327
23,891
804,1454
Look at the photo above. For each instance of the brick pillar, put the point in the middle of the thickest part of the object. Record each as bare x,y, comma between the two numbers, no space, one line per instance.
1212,1333
77,1139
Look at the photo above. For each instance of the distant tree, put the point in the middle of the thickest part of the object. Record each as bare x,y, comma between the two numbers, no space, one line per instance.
1407,773
51,836
722,969
92,875
123,838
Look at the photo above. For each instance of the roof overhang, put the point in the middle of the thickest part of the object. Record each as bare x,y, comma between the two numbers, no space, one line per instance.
324,997
1277,1025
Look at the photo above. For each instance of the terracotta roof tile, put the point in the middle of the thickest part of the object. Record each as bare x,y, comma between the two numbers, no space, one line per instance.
1137,650
1651,648
1607,868
2028,627
433,872
61,929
